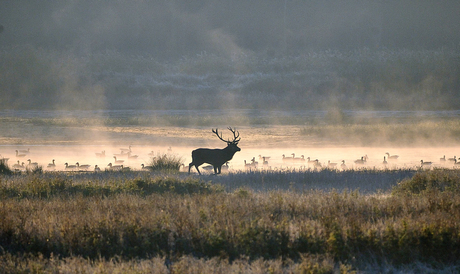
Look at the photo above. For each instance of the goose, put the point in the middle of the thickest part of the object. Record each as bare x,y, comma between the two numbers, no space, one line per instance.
132,156
51,165
361,161
317,164
18,166
24,151
70,167
264,161
457,163
20,155
32,164
96,168
254,163
311,161
100,154
208,167
125,149
343,165
147,168
443,159
122,154
82,167
114,167
298,159
125,168
261,157
287,159
452,159
392,157
329,164
118,161
248,166
384,160
425,163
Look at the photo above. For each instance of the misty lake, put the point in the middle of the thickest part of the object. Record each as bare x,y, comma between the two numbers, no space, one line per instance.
254,113
76,136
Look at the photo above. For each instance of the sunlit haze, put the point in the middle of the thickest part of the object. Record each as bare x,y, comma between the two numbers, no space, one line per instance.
329,80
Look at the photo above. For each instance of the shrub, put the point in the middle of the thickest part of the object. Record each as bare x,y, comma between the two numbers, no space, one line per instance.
166,162
4,169
428,181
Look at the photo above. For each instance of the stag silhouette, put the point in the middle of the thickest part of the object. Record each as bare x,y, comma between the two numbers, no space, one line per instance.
216,157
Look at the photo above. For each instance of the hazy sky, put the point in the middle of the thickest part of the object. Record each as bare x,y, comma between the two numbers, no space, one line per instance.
168,29
139,53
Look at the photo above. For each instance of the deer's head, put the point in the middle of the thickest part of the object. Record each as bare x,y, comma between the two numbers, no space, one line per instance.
233,145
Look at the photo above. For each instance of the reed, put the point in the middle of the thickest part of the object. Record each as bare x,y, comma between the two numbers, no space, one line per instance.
178,222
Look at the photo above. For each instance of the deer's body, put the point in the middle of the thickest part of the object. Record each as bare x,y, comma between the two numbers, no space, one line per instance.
215,157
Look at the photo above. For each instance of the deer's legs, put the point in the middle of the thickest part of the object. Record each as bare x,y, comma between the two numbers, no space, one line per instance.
197,170
190,166
217,170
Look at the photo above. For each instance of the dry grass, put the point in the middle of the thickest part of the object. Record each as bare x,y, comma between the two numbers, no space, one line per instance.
130,222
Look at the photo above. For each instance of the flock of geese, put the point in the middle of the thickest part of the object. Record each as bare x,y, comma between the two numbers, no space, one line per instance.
118,162
316,164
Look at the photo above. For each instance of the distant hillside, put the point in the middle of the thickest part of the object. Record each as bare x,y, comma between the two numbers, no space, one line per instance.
32,78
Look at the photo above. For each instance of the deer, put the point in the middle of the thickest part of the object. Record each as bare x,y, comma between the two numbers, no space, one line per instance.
216,157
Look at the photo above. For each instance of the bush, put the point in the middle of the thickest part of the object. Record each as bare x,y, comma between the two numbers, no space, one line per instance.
442,180
166,162
4,169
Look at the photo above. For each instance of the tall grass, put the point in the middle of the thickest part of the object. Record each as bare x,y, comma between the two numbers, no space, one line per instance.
176,223
165,163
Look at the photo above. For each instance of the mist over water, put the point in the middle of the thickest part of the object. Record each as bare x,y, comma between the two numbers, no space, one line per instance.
78,77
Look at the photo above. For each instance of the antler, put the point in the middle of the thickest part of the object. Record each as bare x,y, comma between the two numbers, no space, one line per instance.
235,136
217,133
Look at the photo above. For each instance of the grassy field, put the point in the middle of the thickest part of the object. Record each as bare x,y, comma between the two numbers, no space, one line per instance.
405,221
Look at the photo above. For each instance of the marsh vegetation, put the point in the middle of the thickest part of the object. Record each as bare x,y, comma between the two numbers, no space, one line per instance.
305,222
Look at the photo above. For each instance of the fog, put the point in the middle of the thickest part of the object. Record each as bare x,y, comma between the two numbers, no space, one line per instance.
236,55
172,29
346,74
